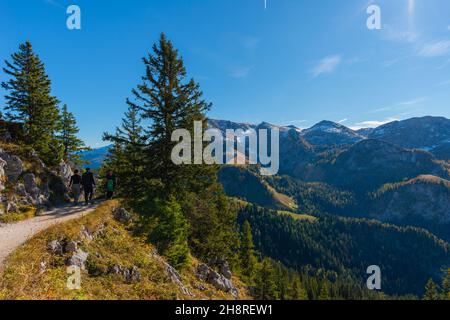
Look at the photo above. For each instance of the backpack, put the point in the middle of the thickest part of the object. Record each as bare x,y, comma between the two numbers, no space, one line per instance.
110,185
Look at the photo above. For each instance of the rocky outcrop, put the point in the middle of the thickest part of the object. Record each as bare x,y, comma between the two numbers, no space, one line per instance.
78,259
37,187
173,274
2,174
122,215
14,165
219,281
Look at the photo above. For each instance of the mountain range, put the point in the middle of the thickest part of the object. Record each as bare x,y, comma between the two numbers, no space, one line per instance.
397,175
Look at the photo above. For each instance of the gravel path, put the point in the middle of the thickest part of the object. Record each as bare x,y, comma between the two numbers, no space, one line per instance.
14,235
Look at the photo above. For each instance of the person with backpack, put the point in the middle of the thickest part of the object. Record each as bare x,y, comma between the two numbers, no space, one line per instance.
75,186
88,182
111,182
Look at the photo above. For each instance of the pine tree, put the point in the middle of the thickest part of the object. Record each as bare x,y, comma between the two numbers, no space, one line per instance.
324,293
431,291
29,101
265,284
169,101
247,252
170,235
446,285
126,158
68,131
297,290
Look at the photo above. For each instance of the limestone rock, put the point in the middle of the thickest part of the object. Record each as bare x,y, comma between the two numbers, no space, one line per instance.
220,282
122,215
78,259
14,166
55,247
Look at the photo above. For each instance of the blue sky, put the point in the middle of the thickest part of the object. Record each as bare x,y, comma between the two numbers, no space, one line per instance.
295,62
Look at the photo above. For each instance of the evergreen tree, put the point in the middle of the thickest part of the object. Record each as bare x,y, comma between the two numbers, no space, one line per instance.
265,284
29,101
169,101
170,234
324,294
431,291
297,290
68,131
126,157
247,252
446,285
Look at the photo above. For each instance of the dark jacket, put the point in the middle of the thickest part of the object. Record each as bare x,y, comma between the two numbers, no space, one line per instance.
87,180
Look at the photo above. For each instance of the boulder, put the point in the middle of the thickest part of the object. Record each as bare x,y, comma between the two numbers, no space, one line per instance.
78,259
14,166
2,174
31,186
71,247
65,171
132,275
55,247
220,282
122,215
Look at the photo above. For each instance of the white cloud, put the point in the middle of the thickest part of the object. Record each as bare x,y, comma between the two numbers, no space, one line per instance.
397,34
401,105
327,65
371,123
412,102
343,120
54,3
443,83
435,49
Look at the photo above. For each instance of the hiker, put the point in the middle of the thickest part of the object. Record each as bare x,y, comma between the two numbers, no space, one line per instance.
110,186
88,183
75,186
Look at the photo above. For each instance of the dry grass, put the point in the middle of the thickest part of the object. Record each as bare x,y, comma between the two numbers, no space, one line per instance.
23,279
297,216
24,213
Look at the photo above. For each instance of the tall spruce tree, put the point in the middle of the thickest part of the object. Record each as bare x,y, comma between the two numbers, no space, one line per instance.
126,158
247,252
29,101
446,285
265,284
68,132
166,101
431,291
169,101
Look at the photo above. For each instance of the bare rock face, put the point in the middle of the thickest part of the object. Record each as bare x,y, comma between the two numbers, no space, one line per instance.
122,215
78,259
219,281
173,274
14,166
2,174
65,171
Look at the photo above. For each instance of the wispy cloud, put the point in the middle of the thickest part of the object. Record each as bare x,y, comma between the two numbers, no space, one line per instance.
435,49
54,3
398,34
371,123
342,121
443,83
299,121
327,65
240,72
400,105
